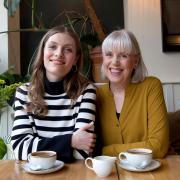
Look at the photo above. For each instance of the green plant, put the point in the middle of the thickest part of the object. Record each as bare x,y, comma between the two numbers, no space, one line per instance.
6,92
8,84
3,148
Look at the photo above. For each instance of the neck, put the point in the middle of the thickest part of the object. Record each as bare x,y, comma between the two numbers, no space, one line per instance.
118,92
117,88
53,88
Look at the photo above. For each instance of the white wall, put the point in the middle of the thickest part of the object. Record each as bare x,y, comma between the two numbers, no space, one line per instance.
3,39
143,18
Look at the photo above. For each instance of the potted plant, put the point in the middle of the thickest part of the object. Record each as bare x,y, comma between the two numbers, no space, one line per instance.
8,84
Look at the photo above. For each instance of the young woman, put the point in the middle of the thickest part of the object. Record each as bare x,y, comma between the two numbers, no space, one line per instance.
131,109
56,109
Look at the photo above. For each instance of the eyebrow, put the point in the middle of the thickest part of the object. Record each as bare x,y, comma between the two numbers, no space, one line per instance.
53,42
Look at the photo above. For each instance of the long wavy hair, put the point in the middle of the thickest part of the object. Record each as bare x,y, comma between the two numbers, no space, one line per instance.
74,82
125,41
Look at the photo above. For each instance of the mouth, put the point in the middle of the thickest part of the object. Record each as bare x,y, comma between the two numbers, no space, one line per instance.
115,71
57,62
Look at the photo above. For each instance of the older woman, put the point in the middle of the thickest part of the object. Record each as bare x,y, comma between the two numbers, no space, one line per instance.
130,109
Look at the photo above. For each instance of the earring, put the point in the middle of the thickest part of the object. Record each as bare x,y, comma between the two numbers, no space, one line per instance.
74,68
135,66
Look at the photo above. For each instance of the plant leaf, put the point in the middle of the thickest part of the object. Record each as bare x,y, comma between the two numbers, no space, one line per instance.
3,148
12,6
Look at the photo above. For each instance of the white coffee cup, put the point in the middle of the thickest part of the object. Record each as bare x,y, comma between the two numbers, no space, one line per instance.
101,165
42,159
137,157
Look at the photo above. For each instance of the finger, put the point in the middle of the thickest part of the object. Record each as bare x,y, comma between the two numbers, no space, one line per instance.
94,136
92,145
87,126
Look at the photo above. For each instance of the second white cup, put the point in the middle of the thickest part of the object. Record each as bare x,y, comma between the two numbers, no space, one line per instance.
101,165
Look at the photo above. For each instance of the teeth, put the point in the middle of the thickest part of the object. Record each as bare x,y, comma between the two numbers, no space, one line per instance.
58,62
115,70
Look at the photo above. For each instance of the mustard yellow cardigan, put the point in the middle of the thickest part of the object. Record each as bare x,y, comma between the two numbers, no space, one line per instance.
143,119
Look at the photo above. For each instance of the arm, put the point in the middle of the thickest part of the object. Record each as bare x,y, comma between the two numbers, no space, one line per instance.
25,138
83,138
157,137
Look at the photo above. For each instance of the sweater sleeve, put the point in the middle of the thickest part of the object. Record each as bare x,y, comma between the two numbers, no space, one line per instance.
85,115
24,138
158,128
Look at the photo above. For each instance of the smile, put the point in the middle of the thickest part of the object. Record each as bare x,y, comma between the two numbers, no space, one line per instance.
115,71
59,62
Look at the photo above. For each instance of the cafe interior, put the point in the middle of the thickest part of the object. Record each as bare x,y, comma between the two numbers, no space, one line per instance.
156,26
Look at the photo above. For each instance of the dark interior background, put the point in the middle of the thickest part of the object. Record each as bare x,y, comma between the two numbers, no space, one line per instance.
110,13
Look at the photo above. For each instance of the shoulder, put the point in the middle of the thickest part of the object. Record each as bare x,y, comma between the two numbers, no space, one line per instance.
90,88
103,89
152,81
23,88
22,91
103,92
150,84
89,91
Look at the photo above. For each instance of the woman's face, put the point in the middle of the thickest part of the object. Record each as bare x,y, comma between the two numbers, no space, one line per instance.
118,66
59,56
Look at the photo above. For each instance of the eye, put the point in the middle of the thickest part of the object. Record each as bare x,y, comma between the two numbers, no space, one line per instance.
52,46
108,54
68,49
124,56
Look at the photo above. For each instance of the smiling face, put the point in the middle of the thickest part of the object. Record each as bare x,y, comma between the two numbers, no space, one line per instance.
59,56
121,58
118,66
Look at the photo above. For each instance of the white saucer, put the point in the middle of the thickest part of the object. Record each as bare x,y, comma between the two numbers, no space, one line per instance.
154,165
58,165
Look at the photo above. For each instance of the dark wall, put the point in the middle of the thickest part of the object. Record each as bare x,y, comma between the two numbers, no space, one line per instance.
110,13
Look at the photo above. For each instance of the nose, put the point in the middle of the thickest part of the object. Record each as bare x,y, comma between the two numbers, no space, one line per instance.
59,53
116,60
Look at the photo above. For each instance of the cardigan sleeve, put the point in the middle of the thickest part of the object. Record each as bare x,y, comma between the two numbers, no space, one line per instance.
158,128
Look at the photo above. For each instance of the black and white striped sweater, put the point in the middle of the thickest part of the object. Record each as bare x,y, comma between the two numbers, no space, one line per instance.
54,131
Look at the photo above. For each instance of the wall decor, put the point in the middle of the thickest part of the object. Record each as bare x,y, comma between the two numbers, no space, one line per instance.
170,18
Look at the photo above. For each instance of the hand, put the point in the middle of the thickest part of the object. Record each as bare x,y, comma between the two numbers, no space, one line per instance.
81,139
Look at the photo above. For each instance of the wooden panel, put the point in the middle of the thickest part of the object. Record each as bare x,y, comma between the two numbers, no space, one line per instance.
14,43
169,97
176,90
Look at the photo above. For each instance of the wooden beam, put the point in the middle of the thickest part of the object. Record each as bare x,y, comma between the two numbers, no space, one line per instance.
14,43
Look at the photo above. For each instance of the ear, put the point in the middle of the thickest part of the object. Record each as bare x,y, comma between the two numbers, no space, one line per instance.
136,60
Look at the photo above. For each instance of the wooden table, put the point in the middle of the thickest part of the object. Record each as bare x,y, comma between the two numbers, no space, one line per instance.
169,170
11,170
